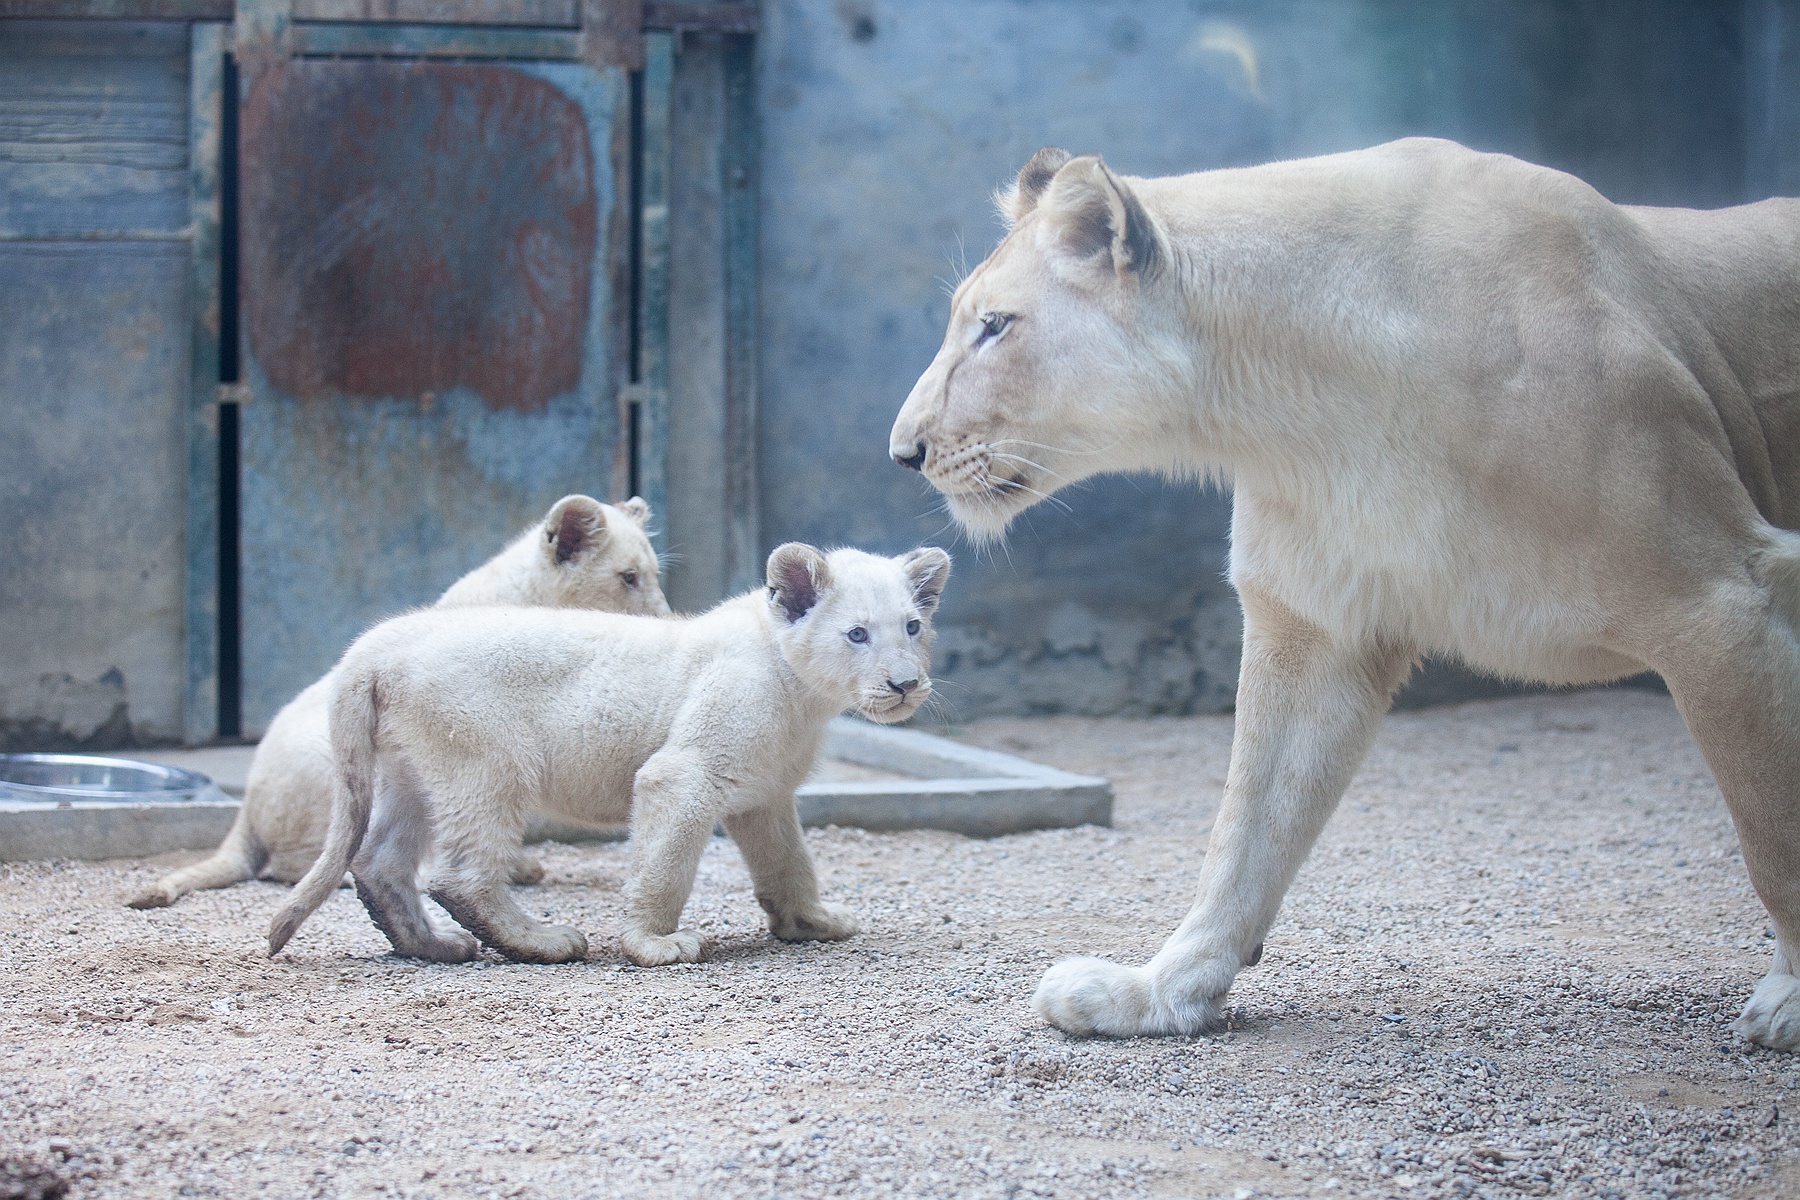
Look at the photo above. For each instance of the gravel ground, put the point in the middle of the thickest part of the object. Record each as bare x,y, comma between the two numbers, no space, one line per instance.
1505,970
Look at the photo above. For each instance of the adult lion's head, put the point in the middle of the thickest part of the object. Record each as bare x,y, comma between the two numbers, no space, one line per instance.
1054,344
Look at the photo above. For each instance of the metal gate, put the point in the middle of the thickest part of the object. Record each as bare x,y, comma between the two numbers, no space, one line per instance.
436,257
279,366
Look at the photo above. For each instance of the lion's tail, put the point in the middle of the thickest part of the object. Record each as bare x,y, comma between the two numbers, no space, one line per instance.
355,711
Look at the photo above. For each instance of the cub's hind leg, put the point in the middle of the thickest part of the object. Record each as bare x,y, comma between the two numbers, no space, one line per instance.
674,803
478,840
386,871
774,849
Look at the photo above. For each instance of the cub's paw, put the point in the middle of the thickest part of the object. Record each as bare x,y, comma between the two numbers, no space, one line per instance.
659,950
1772,1016
447,946
525,870
550,944
154,896
825,923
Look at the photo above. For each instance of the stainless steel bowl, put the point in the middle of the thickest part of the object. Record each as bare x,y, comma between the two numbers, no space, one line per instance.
65,779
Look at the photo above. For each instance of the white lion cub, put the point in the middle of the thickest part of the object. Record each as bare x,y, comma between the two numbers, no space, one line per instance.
583,554
491,714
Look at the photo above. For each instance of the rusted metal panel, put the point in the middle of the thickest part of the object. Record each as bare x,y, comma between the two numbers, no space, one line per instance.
434,301
565,13
412,228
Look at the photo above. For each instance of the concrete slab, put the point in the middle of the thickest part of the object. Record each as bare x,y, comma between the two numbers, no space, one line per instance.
869,776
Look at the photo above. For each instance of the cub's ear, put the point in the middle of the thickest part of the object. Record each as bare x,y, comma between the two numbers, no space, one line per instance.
797,574
1019,197
636,509
927,569
1090,212
574,524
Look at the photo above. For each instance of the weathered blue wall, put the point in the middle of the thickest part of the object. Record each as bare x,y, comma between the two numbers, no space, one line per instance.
94,343
886,126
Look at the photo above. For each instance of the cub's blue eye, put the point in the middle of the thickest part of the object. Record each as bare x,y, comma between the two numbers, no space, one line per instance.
629,578
859,635
912,628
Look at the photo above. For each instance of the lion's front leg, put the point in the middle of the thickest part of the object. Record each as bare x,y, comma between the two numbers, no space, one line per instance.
774,849
1307,711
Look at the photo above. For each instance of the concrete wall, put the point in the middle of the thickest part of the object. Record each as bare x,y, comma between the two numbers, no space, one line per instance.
887,124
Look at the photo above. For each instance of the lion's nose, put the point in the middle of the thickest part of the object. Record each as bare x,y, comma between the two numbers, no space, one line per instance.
904,686
913,460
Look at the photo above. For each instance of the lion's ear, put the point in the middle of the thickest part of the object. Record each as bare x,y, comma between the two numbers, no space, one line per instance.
797,573
1090,213
927,570
573,524
1020,196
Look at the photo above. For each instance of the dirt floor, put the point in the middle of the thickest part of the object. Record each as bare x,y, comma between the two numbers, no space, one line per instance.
1507,969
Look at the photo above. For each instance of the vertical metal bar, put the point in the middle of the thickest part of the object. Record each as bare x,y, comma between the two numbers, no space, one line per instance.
738,162
200,634
652,391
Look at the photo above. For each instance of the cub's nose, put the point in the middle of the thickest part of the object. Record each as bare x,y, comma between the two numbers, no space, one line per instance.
912,459
905,686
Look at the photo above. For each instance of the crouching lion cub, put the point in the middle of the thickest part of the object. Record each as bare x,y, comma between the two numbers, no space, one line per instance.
583,554
475,719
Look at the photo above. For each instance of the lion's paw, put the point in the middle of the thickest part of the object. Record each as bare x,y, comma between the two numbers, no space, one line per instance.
1772,1016
1091,997
825,923
659,950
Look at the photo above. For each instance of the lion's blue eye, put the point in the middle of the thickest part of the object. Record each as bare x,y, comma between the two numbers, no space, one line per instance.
912,629
859,635
994,324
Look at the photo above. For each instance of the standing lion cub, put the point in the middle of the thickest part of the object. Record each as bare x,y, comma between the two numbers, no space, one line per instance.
583,554
477,718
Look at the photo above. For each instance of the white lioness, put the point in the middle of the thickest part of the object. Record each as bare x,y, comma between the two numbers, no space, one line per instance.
476,719
583,554
1467,406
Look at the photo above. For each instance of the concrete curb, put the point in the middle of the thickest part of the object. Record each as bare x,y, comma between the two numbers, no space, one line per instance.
952,787
957,788
114,829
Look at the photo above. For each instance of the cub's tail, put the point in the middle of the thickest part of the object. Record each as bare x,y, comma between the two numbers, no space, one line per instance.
355,709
